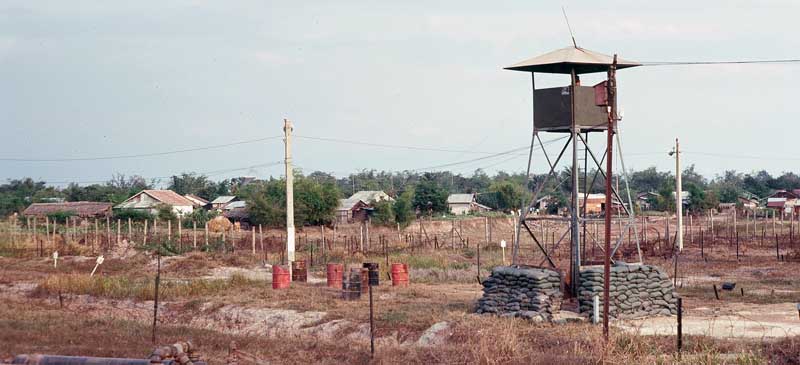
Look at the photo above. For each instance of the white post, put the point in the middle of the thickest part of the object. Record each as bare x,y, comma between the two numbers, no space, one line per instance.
678,197
287,129
596,310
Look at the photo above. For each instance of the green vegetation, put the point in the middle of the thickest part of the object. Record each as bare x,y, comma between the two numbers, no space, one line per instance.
135,215
430,197
315,202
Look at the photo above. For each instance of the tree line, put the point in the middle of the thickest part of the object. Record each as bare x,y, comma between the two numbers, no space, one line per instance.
317,194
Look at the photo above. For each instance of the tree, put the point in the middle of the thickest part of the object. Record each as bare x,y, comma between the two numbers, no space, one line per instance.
383,213
509,195
403,208
164,212
429,196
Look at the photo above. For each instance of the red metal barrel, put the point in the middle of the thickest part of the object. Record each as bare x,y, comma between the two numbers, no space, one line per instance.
299,271
399,274
280,277
335,272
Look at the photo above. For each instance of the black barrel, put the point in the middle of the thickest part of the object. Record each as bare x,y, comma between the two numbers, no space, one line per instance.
374,273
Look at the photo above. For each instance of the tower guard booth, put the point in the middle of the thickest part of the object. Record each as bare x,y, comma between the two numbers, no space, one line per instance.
576,110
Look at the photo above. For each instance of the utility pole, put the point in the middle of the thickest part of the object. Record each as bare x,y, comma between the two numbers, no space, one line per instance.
612,118
678,196
287,130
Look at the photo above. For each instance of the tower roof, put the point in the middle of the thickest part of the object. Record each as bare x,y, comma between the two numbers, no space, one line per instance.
562,61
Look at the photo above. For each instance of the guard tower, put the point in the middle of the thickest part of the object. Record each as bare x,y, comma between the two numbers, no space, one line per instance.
578,111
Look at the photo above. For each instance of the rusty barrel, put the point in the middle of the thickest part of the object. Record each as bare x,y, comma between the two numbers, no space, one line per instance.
374,273
335,272
299,271
351,286
280,277
399,274
364,280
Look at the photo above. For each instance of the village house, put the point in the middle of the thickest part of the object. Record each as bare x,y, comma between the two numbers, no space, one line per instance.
149,200
748,203
460,204
595,203
783,201
197,201
221,201
351,210
357,207
645,200
80,209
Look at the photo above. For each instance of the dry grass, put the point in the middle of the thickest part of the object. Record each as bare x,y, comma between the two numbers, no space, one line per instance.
139,288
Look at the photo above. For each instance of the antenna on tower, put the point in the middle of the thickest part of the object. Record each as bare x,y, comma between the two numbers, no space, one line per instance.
569,27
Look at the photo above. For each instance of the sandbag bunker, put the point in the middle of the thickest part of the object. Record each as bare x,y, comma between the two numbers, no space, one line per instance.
536,293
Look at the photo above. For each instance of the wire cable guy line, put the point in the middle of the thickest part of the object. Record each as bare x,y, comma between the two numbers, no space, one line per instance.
116,157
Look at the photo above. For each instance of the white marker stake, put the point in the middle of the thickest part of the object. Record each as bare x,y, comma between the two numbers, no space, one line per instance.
503,246
99,261
55,259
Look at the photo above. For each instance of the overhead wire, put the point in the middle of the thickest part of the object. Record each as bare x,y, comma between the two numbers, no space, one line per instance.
206,173
383,145
152,154
734,62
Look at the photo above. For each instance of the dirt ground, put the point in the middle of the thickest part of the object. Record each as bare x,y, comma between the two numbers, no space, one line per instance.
216,297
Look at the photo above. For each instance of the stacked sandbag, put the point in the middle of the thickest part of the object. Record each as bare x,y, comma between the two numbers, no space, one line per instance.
635,291
531,293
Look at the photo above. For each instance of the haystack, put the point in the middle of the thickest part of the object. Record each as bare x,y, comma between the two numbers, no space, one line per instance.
219,224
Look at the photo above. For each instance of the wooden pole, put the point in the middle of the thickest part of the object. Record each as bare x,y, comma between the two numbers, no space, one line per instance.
206,233
108,230
96,234
261,239
180,232
194,234
130,230
47,229
253,230
119,231
144,238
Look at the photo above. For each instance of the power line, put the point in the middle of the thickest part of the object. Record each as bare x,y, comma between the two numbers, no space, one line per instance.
518,149
207,173
405,147
735,62
744,157
116,157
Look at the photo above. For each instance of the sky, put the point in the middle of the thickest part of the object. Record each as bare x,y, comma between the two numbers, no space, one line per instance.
88,79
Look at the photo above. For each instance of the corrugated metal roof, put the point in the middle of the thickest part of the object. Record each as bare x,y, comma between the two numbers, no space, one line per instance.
223,199
460,198
196,199
370,196
348,204
82,209
776,204
562,61
168,197
235,205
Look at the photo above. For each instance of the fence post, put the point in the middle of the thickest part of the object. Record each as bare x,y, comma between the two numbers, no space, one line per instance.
680,323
